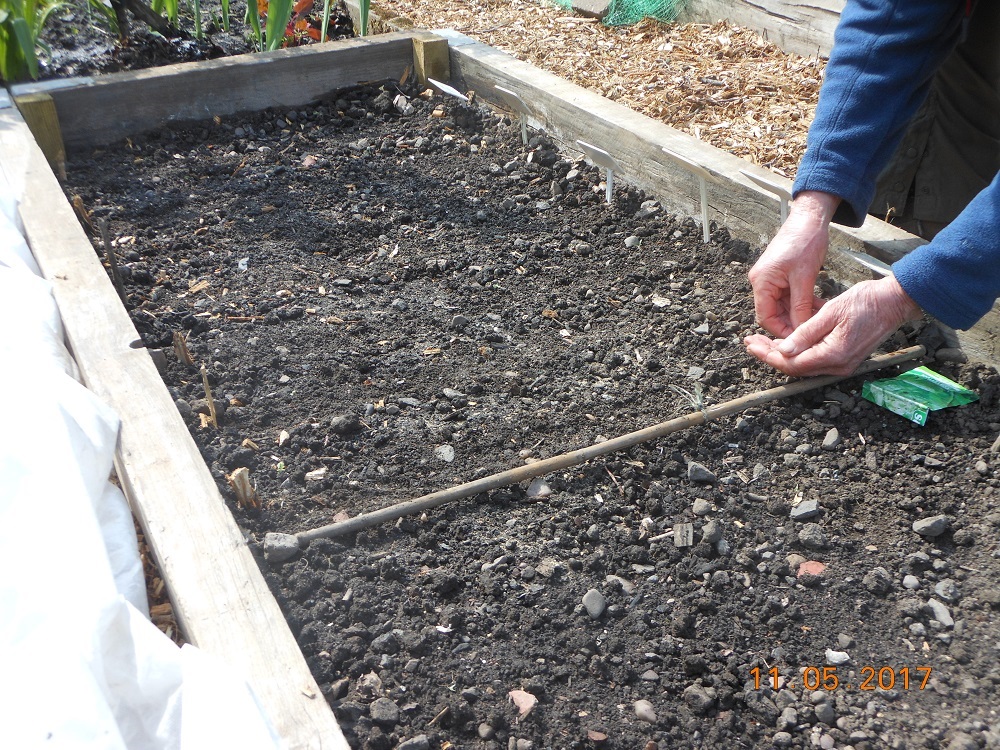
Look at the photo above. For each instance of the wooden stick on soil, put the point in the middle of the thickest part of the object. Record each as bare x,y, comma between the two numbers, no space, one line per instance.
574,458
116,276
209,398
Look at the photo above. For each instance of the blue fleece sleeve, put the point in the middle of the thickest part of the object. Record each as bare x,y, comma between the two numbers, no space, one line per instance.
884,55
956,277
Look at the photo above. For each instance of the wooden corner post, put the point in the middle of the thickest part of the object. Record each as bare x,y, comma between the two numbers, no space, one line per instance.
39,113
430,58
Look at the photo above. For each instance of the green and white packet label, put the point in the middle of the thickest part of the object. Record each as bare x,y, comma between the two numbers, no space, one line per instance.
916,393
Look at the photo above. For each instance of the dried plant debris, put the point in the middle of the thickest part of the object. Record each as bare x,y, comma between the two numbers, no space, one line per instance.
723,84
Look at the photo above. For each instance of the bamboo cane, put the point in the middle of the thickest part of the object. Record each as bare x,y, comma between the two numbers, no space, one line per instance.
582,455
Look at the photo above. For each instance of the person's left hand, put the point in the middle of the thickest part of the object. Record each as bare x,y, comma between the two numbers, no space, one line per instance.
842,333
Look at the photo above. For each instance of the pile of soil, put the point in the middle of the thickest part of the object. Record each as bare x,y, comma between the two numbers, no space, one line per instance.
391,294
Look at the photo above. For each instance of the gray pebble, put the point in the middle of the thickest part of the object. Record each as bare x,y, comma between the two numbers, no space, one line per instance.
805,510
827,742
911,582
941,613
420,742
845,641
699,699
811,536
644,712
947,589
789,718
701,507
963,741
387,643
931,527
445,453
459,321
486,732
632,241
345,424
524,744
595,603
826,713
878,581
385,712
832,439
782,739
698,473
917,629
711,532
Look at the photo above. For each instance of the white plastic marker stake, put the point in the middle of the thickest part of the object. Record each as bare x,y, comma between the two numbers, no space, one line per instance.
772,187
703,176
602,158
444,88
517,104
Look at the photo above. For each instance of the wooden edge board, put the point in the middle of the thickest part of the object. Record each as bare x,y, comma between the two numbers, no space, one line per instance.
805,28
104,109
569,113
220,598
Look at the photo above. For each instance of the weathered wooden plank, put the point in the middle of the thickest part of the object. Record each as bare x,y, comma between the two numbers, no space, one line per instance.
805,28
101,110
569,113
220,598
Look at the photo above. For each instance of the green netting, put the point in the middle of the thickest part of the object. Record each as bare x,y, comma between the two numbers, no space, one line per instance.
626,12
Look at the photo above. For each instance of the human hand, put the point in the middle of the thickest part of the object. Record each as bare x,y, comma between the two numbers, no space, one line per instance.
784,275
845,331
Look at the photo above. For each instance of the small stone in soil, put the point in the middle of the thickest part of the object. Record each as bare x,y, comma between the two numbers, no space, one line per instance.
812,536
941,613
345,424
701,507
539,489
837,658
832,439
931,527
644,711
445,453
711,532
805,510
698,473
595,603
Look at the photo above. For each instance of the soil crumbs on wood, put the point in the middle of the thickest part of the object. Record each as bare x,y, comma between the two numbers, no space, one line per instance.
388,304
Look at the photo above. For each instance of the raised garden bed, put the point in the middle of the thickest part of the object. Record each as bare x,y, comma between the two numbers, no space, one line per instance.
411,315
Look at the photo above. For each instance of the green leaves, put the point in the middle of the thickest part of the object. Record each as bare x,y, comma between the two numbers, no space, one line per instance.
279,13
21,22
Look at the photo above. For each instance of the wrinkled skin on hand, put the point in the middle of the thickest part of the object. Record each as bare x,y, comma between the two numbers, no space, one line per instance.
784,276
840,335
813,337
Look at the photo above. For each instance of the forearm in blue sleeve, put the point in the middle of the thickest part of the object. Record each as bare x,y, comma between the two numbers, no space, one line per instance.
884,55
956,278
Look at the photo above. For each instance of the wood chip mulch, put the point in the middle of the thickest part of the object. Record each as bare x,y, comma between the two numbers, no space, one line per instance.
723,84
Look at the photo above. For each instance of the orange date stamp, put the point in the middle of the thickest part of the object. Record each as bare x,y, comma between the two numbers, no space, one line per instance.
828,678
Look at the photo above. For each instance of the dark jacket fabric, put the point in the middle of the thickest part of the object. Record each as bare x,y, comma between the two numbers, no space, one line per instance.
884,56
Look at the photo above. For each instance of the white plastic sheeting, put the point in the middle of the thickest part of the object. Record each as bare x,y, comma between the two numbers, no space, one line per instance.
81,665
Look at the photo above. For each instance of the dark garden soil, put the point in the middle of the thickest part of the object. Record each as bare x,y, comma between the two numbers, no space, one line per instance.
388,304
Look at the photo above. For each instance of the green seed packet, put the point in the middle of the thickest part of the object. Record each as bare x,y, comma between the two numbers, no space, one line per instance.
916,393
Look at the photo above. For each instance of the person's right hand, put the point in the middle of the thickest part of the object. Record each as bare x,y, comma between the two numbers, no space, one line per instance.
785,274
